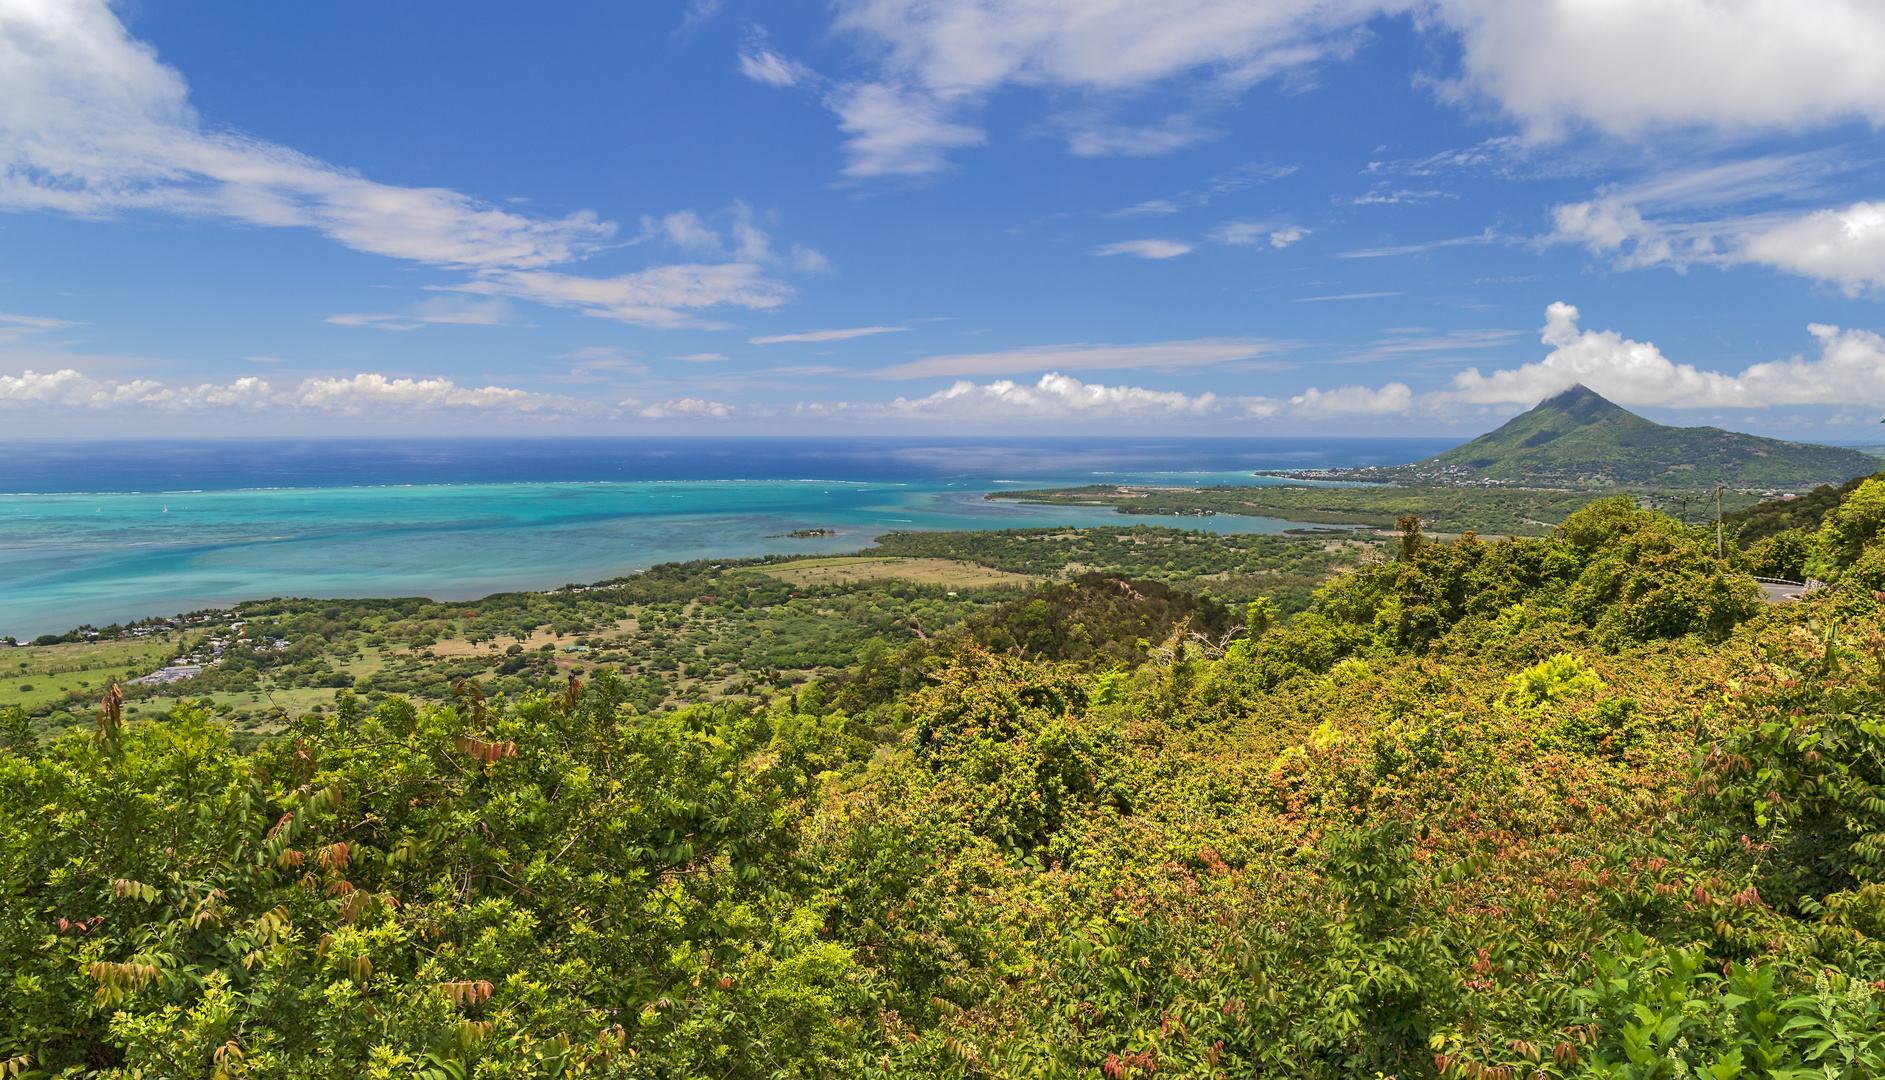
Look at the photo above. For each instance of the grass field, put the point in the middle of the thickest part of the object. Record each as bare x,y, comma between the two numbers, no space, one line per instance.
846,571
51,670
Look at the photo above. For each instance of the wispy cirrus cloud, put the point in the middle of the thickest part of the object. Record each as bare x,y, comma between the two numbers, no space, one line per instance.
1487,237
1243,176
826,335
1145,249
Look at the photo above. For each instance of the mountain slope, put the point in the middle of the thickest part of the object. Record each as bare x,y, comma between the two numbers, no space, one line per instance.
1580,439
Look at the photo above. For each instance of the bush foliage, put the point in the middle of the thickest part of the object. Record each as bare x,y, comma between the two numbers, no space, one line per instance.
1560,807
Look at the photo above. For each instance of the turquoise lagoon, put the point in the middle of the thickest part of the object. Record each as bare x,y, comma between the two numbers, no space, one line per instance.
69,559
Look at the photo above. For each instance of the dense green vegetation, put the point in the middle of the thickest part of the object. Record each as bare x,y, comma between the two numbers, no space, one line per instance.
1579,439
676,634
1762,520
1569,806
1230,566
1446,509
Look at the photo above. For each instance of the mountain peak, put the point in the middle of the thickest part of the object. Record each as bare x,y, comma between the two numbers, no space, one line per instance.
1578,437
1581,403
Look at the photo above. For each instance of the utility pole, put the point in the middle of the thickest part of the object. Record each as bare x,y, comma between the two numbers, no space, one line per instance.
1720,551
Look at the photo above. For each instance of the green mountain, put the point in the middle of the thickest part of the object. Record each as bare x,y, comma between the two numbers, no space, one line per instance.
1580,439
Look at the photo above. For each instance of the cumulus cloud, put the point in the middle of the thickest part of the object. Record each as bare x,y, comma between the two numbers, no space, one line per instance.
1314,404
360,394
1144,249
827,335
1735,66
1055,396
687,407
1844,246
1195,353
93,124
1850,370
938,62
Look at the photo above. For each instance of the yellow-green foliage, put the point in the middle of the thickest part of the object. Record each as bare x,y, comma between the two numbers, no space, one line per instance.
1568,807
1551,680
1845,532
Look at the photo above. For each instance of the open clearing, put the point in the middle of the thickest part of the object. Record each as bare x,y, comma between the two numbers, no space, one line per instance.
922,571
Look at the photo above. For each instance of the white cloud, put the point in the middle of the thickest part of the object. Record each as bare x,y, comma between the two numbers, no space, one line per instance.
1251,233
700,357
1486,237
1249,174
762,64
827,335
1850,370
17,327
1113,140
378,320
1415,341
1733,66
1200,352
1055,396
687,407
1144,249
1287,235
684,230
896,132
1387,195
93,124
1628,68
809,260
34,322
70,389
937,61
659,297
451,310
370,391
1344,296
359,395
1314,404
1844,246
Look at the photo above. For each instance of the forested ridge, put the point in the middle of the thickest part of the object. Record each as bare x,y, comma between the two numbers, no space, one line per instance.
1579,805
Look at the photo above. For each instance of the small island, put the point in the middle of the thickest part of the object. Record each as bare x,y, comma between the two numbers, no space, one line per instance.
802,534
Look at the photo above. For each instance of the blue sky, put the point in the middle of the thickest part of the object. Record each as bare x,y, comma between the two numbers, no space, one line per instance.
1212,216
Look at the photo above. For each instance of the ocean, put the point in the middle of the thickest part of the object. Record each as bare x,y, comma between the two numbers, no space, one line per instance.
104,532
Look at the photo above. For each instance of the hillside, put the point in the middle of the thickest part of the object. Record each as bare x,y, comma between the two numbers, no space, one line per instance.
1579,807
1580,439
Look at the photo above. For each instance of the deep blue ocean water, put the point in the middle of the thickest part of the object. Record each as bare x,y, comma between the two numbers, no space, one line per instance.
110,531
